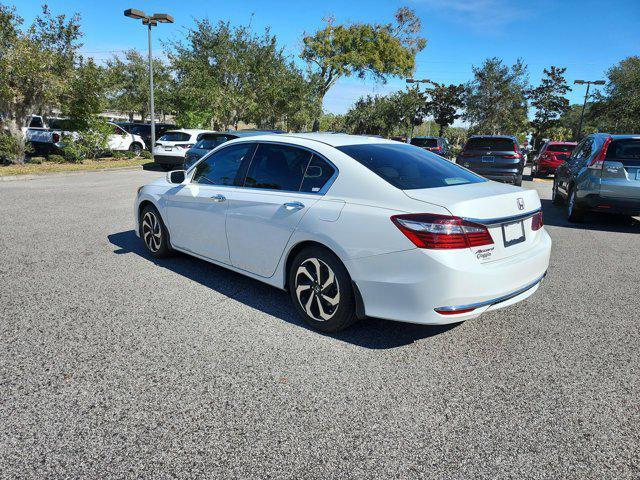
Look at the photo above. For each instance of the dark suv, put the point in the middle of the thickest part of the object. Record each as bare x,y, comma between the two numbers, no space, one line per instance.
602,174
494,157
144,130
438,145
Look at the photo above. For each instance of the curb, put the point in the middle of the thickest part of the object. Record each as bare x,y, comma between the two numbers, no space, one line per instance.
34,176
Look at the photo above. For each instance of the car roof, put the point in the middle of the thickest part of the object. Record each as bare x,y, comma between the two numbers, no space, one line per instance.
332,139
510,137
553,142
191,131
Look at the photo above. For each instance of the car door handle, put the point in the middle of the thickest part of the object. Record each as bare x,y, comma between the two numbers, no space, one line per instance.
218,198
294,205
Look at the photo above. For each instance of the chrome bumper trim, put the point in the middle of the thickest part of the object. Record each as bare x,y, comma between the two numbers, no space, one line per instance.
493,301
499,221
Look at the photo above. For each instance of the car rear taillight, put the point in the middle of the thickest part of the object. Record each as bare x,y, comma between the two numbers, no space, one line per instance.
537,222
433,231
598,161
55,137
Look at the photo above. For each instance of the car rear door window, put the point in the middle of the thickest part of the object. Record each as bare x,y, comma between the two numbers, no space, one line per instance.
175,137
277,167
317,175
222,167
407,167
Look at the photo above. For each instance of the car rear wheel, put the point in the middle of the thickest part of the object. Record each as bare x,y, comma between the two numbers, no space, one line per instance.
321,290
136,148
154,233
574,212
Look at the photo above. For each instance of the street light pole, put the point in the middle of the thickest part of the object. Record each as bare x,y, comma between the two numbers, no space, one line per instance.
586,97
422,80
150,21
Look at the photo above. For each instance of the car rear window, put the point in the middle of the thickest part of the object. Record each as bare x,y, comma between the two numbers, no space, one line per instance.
424,142
561,148
626,151
408,167
489,143
210,142
175,137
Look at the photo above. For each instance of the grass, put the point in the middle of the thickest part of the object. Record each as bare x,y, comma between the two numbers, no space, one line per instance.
49,167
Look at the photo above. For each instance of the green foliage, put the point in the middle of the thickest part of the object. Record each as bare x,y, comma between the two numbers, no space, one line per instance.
444,103
618,109
118,154
35,63
130,155
146,154
330,122
363,50
88,143
495,99
11,148
127,80
36,160
550,103
84,96
55,158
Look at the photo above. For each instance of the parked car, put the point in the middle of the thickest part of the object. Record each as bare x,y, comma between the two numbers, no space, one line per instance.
209,141
170,149
144,130
352,226
437,145
48,138
495,157
602,174
550,157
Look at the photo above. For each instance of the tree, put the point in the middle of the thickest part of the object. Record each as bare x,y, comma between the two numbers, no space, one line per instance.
36,64
444,103
571,117
127,81
550,102
84,96
362,49
618,109
495,100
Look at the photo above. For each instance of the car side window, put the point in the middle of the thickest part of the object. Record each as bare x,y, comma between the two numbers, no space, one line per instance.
222,167
585,151
277,167
317,175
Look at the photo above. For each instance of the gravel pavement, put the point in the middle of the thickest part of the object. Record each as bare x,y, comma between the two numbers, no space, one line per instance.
115,365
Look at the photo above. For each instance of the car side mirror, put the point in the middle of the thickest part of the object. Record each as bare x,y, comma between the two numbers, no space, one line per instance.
176,176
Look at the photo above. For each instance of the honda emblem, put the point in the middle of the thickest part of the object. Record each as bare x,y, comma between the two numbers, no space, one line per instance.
520,204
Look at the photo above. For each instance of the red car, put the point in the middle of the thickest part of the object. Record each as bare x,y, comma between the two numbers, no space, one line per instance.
551,156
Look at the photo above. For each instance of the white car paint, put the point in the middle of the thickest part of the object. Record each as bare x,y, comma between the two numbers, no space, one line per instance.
170,152
250,234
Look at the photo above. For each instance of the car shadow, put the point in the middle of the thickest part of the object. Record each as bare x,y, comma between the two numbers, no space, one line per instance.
369,333
554,215
152,167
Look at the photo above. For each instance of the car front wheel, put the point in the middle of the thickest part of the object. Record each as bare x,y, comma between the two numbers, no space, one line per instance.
136,148
321,290
555,195
154,233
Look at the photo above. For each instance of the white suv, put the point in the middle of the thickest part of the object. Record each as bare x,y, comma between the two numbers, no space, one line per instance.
170,149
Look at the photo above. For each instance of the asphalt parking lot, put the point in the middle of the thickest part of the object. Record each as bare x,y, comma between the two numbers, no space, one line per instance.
115,365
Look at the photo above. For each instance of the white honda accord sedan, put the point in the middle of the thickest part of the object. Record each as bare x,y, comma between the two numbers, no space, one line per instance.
352,226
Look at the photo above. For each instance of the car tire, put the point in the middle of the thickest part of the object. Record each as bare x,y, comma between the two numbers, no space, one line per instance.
321,291
574,212
136,148
153,232
556,199
518,181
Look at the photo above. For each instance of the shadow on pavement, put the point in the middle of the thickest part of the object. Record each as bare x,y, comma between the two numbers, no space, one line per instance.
153,167
554,215
368,333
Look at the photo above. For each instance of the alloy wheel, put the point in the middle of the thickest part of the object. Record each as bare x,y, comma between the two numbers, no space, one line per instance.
151,231
317,289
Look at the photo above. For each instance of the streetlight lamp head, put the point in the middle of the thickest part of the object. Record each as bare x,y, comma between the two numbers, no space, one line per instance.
599,82
133,13
162,17
410,80
578,82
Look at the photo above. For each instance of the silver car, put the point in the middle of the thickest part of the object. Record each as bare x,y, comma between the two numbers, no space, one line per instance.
602,174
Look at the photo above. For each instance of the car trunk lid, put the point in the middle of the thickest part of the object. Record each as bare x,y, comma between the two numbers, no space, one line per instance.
505,210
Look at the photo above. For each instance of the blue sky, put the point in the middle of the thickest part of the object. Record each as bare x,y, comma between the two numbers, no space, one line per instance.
585,36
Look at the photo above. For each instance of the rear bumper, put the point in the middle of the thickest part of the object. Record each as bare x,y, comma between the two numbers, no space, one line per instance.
168,159
548,167
409,286
499,174
623,206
